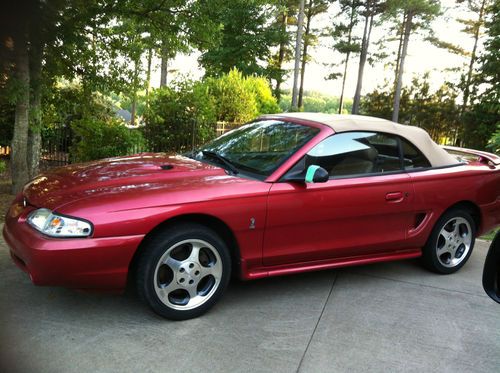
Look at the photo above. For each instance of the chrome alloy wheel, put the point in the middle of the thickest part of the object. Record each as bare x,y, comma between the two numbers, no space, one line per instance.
188,274
454,242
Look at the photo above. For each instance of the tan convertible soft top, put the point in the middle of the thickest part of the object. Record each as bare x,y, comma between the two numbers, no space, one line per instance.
436,155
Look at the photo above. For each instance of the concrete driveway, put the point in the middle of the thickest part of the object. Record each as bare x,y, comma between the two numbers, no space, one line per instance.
378,318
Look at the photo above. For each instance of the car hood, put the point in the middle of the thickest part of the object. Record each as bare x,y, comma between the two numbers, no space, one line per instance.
136,174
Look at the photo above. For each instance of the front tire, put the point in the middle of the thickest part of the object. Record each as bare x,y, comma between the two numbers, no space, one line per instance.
451,242
183,271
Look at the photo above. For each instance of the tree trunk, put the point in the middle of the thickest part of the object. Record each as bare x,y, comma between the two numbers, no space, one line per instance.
401,33
399,84
473,58
19,166
164,64
133,109
466,127
35,144
281,56
34,135
35,125
298,44
304,54
134,93
348,54
362,61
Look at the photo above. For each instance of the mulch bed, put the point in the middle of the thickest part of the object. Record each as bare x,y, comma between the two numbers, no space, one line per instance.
5,197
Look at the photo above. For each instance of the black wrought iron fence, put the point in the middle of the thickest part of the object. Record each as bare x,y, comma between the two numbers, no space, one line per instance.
56,143
176,135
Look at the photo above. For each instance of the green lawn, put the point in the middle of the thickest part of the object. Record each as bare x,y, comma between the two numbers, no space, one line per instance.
489,236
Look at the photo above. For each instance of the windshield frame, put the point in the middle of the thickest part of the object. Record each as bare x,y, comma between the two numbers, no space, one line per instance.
324,132
246,171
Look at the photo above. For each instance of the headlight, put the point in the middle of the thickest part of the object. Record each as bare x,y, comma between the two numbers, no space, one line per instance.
55,225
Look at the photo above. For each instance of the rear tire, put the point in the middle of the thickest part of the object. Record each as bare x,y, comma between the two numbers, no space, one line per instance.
183,271
450,243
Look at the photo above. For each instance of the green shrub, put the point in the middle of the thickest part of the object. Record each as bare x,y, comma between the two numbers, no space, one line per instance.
179,114
234,101
494,142
102,138
186,112
6,123
87,122
266,102
3,167
239,99
65,104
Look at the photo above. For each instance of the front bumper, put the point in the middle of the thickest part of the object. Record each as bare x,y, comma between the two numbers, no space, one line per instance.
83,263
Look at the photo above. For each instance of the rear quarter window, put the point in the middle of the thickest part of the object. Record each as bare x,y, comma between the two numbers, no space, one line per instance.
412,157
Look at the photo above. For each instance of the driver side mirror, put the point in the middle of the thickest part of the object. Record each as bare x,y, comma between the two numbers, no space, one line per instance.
316,174
313,174
491,272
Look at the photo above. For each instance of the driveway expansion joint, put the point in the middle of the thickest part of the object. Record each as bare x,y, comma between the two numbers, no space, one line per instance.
317,322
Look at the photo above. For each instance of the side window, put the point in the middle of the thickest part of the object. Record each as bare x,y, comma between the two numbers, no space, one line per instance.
356,153
413,158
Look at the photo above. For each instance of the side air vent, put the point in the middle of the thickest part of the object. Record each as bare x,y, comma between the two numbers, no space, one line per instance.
419,218
166,167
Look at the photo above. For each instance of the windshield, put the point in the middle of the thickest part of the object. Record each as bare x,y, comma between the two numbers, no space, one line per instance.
259,147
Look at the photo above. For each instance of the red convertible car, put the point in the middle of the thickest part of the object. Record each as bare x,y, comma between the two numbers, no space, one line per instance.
283,194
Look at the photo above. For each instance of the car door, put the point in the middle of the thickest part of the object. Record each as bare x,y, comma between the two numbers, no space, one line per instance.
364,208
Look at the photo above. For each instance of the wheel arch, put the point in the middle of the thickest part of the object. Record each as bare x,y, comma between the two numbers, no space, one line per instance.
209,221
471,208
429,256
